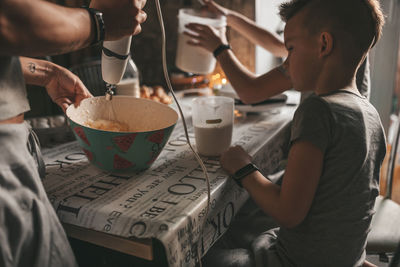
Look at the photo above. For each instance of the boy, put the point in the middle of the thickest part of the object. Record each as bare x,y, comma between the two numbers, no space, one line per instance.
325,203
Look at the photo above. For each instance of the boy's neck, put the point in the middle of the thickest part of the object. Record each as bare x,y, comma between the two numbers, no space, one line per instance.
335,78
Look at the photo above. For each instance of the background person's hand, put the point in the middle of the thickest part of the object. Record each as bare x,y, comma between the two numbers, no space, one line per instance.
205,36
215,8
234,158
64,87
121,18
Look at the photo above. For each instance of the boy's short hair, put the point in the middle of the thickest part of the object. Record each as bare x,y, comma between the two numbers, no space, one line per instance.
357,21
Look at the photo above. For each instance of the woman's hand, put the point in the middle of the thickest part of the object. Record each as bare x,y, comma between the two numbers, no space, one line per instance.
62,85
65,88
205,36
234,158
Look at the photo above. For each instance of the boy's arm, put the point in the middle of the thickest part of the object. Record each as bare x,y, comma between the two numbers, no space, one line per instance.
249,29
289,203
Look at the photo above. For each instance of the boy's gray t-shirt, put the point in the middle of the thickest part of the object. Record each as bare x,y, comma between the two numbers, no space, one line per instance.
347,128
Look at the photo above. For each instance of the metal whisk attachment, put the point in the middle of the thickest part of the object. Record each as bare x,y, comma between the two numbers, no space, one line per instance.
109,92
109,95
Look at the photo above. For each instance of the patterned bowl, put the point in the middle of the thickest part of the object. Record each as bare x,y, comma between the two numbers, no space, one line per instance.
150,124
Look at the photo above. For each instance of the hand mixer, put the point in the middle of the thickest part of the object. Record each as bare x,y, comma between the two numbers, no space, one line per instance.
114,58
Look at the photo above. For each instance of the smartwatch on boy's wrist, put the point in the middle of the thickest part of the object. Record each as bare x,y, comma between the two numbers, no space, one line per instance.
240,174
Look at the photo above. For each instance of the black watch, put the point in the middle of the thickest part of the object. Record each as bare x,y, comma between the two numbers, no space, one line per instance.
96,17
221,49
243,172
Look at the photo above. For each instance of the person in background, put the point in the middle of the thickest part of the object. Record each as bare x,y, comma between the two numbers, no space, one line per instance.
253,88
324,205
30,232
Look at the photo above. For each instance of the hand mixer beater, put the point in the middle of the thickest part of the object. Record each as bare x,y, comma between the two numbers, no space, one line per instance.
114,58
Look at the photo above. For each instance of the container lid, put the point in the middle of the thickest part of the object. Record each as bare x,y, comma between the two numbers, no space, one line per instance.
202,17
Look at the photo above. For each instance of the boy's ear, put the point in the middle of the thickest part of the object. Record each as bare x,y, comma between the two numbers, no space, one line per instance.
326,44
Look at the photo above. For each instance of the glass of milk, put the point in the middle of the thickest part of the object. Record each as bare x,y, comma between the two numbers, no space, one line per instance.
191,58
213,124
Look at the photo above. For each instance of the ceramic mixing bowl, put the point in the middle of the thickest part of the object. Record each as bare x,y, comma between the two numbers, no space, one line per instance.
150,126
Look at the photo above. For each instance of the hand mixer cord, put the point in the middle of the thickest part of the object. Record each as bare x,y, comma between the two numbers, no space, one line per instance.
203,167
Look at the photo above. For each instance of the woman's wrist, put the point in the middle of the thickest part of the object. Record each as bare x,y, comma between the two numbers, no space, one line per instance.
36,71
50,72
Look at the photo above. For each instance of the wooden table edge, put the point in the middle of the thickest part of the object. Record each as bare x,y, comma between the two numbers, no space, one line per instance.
142,248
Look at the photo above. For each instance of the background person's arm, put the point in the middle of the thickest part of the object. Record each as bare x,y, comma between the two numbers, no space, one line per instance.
249,29
37,27
249,87
256,34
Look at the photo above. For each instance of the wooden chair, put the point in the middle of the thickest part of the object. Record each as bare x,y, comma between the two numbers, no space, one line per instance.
385,227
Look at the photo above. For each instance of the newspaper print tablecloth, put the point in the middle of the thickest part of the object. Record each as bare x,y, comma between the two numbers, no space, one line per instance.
169,200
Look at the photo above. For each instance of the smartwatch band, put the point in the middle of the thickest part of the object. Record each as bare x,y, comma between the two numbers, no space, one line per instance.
243,172
220,49
97,17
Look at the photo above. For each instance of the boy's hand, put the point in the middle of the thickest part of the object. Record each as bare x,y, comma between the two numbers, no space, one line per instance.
205,36
234,158
64,87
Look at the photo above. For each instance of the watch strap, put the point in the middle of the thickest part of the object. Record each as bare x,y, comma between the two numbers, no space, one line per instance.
221,48
96,17
240,174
